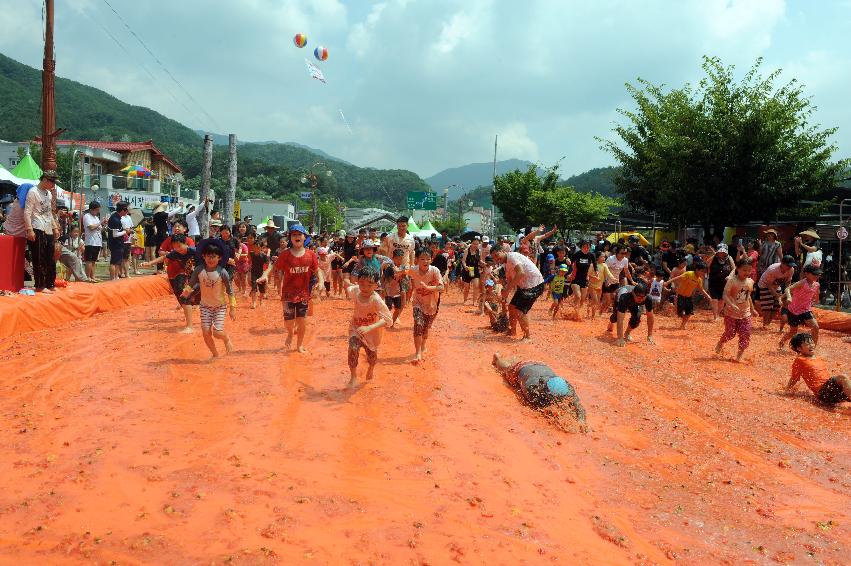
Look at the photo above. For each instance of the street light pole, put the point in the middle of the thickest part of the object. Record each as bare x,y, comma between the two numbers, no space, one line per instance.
314,182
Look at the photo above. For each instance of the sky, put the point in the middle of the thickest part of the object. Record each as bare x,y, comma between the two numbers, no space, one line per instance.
427,84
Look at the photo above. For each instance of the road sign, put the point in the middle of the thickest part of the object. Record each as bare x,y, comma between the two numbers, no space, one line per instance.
420,200
842,233
306,195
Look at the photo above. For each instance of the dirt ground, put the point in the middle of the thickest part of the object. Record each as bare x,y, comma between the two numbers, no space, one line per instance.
120,446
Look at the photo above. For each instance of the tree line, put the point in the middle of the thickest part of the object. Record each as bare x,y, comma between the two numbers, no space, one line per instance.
720,153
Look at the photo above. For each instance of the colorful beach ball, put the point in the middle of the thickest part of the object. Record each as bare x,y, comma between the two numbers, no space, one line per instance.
320,53
300,40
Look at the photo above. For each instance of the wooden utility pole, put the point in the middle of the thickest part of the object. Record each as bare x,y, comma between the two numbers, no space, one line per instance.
206,174
230,197
48,109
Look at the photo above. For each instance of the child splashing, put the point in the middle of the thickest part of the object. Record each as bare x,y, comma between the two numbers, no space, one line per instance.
369,317
216,291
544,390
427,285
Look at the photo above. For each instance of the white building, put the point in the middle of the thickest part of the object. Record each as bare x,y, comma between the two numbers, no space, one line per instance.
283,213
479,220
356,218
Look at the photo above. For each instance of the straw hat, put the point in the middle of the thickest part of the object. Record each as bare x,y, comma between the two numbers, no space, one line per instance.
810,234
160,207
271,224
771,231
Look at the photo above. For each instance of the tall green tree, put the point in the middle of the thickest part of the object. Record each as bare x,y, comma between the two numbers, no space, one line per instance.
723,152
512,191
569,209
454,225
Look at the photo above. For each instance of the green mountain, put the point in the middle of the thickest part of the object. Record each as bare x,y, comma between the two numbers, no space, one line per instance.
222,139
266,170
598,180
468,177
85,112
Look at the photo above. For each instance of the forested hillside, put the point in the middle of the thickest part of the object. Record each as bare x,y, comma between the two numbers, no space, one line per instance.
266,170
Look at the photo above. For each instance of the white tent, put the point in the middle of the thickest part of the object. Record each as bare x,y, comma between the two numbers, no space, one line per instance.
423,234
427,231
62,196
6,175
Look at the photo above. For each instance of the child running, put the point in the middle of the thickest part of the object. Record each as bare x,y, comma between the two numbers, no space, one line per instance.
687,284
492,302
369,317
557,286
426,285
297,266
259,257
813,371
392,285
656,284
216,293
324,262
596,280
800,298
181,265
630,299
738,307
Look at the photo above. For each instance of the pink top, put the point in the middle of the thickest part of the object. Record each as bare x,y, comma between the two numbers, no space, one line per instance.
803,297
366,313
424,299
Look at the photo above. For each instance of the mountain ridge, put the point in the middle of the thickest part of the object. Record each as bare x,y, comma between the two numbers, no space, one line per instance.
265,170
472,175
223,140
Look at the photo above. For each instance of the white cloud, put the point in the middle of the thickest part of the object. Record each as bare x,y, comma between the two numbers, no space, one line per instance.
426,84
361,34
514,140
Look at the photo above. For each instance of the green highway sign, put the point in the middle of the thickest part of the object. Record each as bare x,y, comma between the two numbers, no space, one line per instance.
420,200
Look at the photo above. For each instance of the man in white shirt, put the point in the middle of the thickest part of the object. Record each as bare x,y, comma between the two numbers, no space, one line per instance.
92,238
619,267
42,230
401,240
526,283
192,220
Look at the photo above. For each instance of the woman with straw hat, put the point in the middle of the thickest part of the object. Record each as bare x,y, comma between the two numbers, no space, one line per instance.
807,248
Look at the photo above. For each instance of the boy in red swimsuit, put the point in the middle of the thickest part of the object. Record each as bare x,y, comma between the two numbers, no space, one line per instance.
297,265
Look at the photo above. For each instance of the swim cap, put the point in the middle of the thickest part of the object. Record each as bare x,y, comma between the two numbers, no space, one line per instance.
550,257
558,387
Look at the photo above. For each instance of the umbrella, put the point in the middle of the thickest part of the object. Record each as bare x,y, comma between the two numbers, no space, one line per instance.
615,236
137,171
469,235
137,216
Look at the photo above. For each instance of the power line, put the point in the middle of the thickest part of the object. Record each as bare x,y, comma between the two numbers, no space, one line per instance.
105,30
163,67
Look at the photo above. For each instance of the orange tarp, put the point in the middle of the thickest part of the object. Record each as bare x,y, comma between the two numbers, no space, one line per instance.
832,320
78,301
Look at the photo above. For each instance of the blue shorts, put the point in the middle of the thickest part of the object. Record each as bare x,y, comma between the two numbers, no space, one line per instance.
556,297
